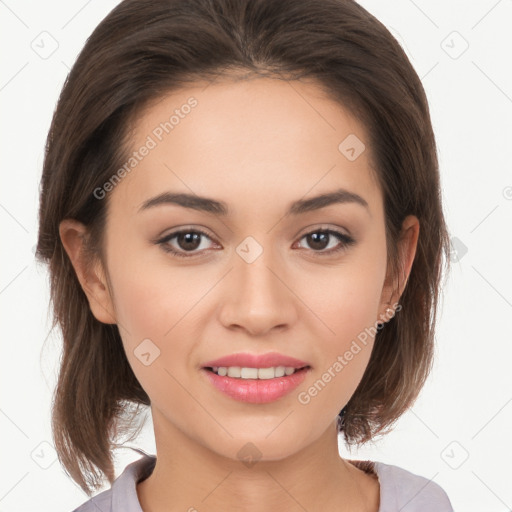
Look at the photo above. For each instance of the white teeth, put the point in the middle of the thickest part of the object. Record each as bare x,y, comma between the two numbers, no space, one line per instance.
233,371
280,371
253,373
249,373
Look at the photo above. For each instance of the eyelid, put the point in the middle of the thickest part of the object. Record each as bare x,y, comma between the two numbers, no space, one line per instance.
345,240
187,228
163,240
313,228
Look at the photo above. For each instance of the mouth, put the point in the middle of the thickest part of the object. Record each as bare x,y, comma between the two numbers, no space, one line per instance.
255,385
249,362
255,378
250,373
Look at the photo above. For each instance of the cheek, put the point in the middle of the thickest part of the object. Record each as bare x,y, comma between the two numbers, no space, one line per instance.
150,300
153,314
344,348
163,305
344,301
345,305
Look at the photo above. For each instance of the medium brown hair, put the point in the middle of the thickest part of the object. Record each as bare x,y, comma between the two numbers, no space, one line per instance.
143,50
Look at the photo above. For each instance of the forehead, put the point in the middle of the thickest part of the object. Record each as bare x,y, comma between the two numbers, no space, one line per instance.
235,140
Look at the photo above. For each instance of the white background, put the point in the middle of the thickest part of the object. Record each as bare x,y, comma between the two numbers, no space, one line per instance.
458,432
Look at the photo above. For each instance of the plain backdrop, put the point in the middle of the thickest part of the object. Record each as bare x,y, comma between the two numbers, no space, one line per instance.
458,432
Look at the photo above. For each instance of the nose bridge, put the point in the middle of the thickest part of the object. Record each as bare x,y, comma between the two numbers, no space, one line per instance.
258,298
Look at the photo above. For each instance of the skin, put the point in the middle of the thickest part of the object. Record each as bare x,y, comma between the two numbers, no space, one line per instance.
258,145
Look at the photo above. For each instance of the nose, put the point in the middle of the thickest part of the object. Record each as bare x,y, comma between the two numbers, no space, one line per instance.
258,296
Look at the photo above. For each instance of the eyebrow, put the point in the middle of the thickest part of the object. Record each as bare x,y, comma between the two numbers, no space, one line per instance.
208,205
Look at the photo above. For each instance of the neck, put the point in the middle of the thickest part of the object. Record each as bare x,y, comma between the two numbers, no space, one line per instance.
189,476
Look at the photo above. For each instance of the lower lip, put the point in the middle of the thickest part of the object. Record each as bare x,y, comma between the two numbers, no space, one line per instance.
257,391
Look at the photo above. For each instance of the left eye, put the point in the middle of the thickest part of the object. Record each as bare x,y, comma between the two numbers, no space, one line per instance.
189,241
317,239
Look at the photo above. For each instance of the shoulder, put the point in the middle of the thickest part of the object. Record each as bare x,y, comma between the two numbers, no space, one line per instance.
122,496
102,502
408,492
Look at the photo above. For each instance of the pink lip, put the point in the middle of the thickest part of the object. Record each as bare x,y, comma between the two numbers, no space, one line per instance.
256,391
246,360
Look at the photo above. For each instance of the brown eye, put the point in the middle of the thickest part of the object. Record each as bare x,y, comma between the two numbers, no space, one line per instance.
187,241
320,239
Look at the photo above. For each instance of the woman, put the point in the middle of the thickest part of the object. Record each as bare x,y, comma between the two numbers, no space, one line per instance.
241,213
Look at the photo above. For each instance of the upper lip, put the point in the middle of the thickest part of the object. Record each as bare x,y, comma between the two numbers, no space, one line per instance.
246,360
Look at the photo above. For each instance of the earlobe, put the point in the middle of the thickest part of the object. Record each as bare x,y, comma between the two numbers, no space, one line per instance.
91,275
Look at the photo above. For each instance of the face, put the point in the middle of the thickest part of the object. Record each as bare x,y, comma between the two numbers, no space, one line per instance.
189,285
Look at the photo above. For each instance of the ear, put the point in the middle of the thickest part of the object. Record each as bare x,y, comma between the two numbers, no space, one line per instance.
394,285
91,274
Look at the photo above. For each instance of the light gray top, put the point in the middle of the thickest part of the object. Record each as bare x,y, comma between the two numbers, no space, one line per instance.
400,490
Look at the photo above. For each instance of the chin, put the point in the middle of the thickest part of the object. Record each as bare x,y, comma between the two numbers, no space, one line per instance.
257,445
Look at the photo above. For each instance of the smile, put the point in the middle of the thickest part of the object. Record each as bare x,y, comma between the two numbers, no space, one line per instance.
254,373
255,385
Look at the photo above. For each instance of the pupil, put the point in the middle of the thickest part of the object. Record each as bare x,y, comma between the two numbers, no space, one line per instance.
315,244
189,238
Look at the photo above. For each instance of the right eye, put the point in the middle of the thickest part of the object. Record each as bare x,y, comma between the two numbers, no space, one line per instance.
187,240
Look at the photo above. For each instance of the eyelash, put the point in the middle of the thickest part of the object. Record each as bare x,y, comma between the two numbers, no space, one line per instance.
345,240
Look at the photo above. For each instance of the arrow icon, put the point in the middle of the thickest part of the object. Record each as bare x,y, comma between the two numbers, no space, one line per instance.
146,352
